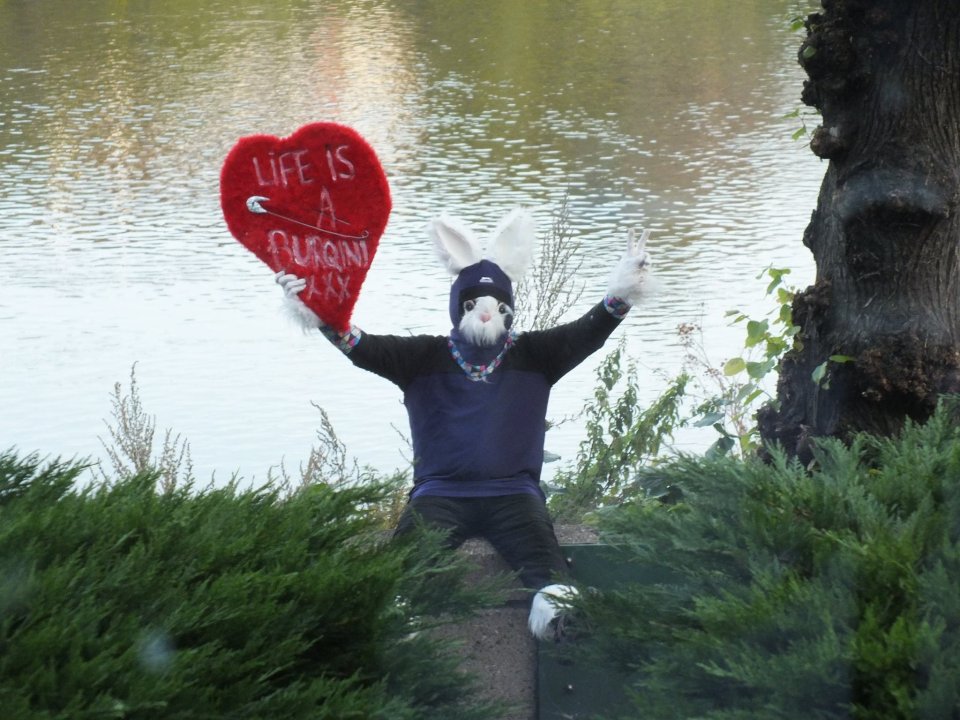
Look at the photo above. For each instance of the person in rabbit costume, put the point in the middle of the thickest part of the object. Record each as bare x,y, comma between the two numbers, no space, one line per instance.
477,399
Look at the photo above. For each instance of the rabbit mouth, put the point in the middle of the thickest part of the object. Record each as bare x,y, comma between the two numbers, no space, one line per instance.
476,331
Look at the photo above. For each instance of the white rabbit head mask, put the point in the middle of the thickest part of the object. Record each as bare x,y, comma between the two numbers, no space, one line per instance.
481,298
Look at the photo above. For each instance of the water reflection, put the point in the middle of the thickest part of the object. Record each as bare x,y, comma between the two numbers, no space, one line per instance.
118,116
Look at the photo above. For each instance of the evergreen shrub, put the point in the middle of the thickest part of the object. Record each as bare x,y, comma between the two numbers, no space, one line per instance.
119,601
792,592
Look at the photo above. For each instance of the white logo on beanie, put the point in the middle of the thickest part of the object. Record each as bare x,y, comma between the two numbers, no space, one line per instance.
486,279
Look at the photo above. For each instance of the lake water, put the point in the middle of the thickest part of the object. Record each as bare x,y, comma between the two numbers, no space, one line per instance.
118,115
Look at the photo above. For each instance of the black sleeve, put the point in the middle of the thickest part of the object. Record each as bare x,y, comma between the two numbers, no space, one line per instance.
556,351
397,358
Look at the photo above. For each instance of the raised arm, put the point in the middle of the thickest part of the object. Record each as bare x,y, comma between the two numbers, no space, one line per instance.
560,349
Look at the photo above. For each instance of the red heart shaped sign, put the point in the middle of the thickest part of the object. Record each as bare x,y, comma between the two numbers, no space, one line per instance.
313,204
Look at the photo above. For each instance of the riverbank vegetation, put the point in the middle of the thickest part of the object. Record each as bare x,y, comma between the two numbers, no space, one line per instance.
823,590
828,590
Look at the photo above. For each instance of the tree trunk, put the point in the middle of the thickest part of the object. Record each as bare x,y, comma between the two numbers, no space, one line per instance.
885,76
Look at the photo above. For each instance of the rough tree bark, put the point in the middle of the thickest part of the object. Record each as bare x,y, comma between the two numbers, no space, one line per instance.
885,76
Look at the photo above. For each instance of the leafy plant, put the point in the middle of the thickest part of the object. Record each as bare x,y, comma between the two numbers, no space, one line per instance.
620,436
821,373
796,25
737,389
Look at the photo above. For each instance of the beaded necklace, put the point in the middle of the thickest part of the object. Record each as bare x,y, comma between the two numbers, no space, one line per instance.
479,373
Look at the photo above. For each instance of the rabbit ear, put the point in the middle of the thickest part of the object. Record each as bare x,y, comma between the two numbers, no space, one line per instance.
455,244
512,245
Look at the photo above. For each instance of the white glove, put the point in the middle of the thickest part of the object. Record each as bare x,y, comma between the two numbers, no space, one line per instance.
298,312
548,605
629,276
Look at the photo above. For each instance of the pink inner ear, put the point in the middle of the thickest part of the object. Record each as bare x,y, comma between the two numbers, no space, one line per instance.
314,204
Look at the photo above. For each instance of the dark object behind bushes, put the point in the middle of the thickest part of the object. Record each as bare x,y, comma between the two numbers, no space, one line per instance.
122,602
826,594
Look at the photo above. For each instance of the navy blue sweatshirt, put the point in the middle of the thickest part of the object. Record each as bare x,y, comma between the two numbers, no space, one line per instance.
480,438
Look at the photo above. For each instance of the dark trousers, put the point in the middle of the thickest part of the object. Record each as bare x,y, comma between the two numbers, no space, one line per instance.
517,526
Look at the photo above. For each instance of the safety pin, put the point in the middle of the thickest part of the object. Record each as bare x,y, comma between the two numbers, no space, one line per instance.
254,205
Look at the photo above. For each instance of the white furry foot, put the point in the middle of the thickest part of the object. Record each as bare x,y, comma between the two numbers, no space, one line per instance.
547,605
